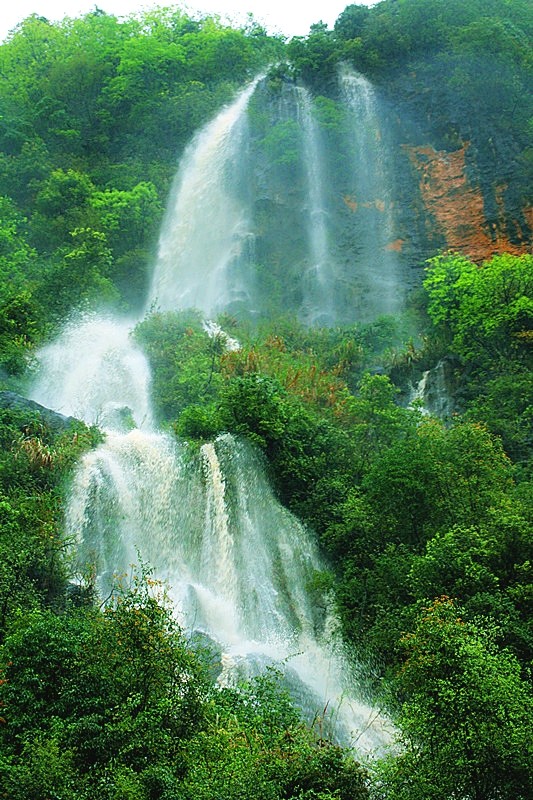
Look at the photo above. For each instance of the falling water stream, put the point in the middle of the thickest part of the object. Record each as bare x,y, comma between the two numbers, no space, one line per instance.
370,197
239,566
318,280
206,240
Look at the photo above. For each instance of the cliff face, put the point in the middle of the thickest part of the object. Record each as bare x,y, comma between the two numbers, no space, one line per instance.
346,198
456,209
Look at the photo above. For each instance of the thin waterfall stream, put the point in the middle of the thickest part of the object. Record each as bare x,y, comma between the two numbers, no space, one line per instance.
238,565
371,180
318,281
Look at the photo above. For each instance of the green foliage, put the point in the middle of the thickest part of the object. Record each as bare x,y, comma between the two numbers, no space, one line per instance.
117,706
314,57
466,716
376,421
127,216
329,114
427,489
63,198
109,703
309,455
351,22
260,748
112,688
281,143
185,361
16,255
487,568
198,422
19,314
504,403
18,323
34,463
87,106
486,310
485,315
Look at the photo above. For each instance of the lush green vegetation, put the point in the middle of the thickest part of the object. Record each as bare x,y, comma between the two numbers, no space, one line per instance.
425,523
114,704
93,113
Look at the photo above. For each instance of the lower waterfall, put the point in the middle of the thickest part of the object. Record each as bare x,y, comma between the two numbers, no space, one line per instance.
239,566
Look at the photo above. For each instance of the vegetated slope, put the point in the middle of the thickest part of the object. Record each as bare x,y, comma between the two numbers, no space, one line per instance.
94,114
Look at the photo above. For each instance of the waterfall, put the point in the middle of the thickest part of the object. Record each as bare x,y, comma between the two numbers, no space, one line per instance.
318,280
123,503
93,371
238,565
206,243
433,392
370,198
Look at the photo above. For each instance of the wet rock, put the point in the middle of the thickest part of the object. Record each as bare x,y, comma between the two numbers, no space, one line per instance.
58,423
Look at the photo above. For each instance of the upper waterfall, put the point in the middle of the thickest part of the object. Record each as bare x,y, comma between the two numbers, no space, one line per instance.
205,240
318,281
258,222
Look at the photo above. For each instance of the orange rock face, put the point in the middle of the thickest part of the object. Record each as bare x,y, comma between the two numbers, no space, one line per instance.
457,207
396,246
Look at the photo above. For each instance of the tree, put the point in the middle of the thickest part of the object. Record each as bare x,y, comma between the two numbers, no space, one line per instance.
256,746
62,205
116,691
375,420
465,715
485,314
487,310
351,22
424,482
78,276
315,57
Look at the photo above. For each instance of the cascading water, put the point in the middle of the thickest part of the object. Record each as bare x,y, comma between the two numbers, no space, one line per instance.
433,394
369,199
206,242
94,372
239,566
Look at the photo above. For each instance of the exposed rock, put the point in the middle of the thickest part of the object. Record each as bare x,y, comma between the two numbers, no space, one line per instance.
208,651
396,246
456,207
55,421
436,390
79,594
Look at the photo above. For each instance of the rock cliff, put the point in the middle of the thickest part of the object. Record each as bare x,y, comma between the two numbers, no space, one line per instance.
456,209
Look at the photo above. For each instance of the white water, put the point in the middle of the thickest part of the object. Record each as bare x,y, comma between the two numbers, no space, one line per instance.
239,565
371,198
206,242
94,372
432,393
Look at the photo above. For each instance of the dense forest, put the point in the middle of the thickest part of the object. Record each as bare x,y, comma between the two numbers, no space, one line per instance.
421,512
